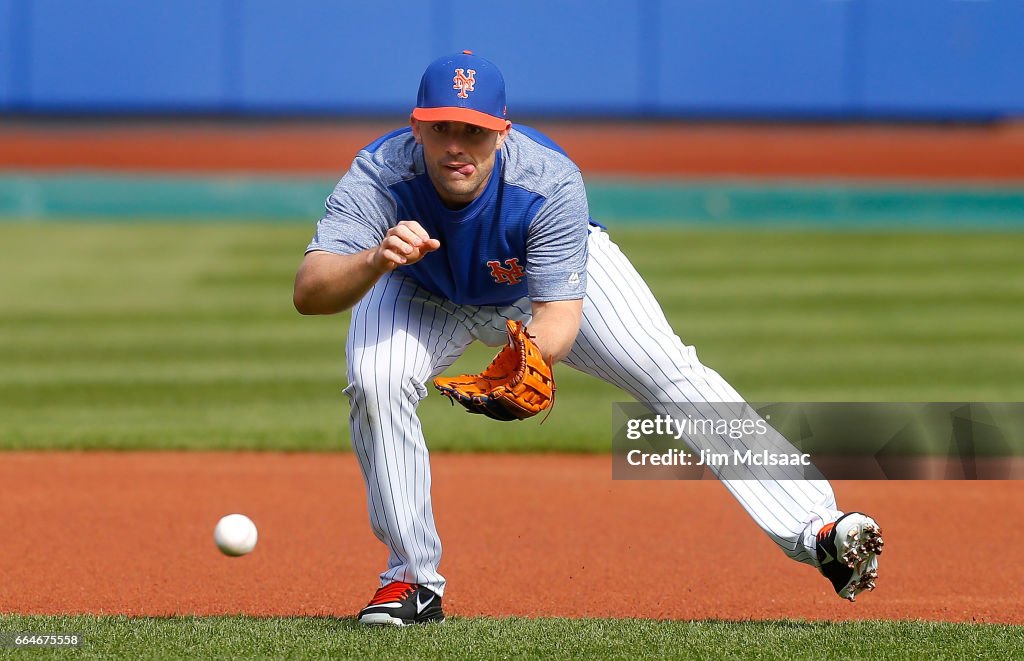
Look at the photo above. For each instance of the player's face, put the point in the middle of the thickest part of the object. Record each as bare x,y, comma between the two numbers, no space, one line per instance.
459,158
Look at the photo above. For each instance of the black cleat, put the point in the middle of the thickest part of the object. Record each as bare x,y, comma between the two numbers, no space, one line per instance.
399,604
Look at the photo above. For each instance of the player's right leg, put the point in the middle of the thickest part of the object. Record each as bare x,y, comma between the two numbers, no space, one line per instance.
399,338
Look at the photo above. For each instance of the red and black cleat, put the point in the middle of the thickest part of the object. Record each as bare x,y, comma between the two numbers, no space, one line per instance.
400,604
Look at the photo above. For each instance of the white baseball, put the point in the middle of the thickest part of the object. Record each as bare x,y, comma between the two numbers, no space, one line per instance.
235,535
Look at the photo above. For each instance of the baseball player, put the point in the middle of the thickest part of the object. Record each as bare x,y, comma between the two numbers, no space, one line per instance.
463,227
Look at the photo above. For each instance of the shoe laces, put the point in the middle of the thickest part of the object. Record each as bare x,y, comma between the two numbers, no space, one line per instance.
396,591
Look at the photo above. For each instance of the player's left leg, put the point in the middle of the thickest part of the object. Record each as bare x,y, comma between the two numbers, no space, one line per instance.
625,339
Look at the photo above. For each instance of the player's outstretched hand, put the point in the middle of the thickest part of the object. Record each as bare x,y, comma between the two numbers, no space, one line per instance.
405,243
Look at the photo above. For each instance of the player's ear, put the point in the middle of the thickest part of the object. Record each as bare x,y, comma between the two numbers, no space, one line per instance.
414,123
503,134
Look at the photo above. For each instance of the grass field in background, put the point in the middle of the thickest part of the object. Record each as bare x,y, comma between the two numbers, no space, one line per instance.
459,638
184,336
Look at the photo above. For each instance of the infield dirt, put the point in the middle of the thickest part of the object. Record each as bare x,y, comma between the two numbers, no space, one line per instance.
529,535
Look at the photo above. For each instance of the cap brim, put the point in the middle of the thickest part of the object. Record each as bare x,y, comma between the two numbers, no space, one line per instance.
456,114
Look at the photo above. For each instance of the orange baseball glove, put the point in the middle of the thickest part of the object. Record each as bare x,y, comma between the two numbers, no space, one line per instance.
516,385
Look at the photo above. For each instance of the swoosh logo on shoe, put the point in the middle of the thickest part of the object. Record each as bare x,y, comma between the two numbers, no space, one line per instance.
420,605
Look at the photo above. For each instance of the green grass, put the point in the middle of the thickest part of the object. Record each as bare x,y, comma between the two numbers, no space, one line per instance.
183,335
482,638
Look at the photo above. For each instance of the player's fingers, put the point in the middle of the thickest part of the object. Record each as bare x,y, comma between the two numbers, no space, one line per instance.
416,255
398,244
400,247
406,234
391,258
415,228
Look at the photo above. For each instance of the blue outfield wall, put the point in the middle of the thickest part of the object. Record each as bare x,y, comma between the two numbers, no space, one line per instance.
643,58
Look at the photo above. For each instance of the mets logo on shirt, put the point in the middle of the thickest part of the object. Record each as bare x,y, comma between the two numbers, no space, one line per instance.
510,274
464,80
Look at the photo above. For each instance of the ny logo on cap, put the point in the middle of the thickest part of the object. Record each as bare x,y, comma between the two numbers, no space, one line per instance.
464,83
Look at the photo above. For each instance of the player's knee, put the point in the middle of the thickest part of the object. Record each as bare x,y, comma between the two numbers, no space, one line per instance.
377,384
367,384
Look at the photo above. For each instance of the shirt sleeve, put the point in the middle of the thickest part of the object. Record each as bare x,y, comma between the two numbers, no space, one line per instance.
357,214
556,244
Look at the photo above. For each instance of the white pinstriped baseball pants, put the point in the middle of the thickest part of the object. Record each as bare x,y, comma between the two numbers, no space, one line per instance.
402,336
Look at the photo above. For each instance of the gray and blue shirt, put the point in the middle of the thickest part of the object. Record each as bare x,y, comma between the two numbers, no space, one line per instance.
525,235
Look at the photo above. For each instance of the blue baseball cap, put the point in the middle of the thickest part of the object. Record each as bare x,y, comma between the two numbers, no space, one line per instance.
462,88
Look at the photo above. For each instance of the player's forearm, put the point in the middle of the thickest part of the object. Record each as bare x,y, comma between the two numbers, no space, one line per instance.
555,326
327,283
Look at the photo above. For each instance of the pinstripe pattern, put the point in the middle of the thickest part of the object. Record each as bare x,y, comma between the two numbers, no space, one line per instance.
625,340
401,336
